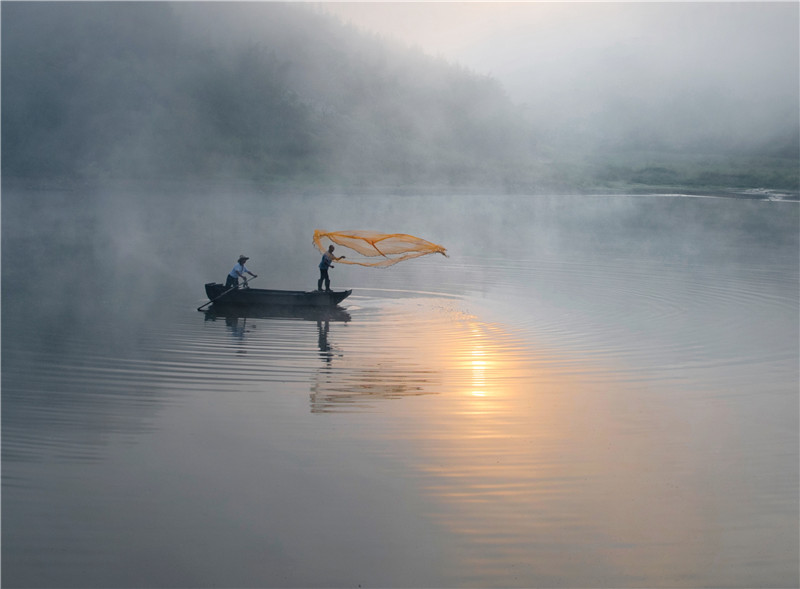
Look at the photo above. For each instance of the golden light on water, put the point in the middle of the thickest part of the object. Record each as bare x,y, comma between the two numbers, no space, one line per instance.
479,367
532,460
526,453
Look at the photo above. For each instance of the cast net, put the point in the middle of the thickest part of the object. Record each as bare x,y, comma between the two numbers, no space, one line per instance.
370,248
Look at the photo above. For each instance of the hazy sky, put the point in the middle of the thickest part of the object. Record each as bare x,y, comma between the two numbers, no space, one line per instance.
709,63
510,39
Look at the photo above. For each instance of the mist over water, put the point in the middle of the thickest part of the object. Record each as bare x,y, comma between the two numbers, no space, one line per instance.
590,391
621,77
597,388
507,97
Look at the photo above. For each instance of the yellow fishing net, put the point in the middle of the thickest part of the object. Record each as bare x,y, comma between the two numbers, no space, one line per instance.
370,248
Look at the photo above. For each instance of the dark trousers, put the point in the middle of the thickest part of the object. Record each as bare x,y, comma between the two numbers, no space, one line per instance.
231,282
323,276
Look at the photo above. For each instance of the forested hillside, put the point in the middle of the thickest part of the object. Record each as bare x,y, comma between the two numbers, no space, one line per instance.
254,92
283,94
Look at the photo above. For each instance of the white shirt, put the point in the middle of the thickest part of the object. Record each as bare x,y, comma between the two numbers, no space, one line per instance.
240,269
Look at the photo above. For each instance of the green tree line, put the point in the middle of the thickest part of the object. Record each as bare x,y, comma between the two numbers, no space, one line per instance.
126,90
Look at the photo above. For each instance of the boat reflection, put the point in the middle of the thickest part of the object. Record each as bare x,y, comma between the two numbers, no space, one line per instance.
236,316
231,312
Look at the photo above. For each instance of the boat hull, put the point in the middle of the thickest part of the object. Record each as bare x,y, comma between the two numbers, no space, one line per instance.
253,297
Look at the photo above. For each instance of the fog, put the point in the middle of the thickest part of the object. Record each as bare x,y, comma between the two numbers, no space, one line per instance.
271,94
207,125
146,145
515,97
685,75
211,122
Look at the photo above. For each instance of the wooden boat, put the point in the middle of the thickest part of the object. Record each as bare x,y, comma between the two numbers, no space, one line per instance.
252,297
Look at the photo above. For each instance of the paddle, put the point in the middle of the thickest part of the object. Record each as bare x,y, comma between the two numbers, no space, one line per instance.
200,308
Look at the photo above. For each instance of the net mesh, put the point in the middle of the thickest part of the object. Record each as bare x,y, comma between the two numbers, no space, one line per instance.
379,250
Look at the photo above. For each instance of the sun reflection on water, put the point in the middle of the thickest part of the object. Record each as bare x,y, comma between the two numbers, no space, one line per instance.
479,368
542,467
536,470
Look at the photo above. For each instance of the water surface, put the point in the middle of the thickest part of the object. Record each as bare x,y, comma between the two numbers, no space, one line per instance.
590,391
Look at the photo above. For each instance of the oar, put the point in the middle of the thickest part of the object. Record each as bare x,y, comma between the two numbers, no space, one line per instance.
200,308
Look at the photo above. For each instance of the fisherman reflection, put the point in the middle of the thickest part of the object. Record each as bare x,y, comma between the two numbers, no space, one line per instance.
322,340
237,327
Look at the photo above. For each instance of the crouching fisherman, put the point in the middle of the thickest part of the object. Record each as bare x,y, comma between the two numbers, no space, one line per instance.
238,271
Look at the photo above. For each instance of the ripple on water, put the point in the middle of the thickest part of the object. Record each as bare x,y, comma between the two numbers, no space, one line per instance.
643,316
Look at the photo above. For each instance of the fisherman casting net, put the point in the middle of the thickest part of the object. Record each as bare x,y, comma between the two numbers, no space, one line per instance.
370,248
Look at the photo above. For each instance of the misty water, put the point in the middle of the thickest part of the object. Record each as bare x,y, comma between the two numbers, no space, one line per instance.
590,391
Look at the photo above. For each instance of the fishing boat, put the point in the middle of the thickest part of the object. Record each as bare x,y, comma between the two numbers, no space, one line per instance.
253,297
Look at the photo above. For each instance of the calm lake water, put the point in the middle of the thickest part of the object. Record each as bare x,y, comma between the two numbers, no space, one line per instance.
595,391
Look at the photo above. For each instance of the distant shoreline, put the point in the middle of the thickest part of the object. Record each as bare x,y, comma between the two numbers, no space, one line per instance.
296,188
